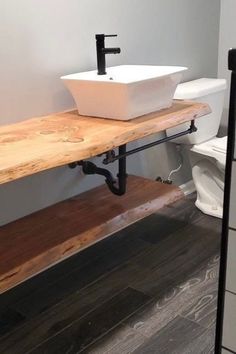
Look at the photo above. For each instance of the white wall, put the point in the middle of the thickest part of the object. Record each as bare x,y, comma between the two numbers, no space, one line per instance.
42,40
227,40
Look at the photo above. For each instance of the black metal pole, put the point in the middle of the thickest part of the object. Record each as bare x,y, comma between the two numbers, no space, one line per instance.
122,175
123,153
225,223
119,188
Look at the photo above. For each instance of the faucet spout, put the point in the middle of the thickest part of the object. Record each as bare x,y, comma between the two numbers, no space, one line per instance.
111,50
102,51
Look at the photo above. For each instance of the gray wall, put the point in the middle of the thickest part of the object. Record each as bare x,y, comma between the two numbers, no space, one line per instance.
42,40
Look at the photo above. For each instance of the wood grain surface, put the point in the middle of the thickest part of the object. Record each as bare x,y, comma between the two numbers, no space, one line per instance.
31,244
42,143
112,275
88,329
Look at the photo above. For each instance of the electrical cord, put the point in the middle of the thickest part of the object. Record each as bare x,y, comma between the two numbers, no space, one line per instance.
178,148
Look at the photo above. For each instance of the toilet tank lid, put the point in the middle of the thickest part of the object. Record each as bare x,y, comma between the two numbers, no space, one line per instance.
199,88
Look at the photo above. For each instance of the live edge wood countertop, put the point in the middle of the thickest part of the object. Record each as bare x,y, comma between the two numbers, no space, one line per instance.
58,139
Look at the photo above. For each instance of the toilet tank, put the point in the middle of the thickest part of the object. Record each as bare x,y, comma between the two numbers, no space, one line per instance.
205,90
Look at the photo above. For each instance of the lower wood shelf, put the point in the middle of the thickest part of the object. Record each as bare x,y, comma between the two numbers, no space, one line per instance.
38,241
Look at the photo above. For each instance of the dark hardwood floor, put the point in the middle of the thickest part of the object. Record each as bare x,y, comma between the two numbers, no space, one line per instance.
151,288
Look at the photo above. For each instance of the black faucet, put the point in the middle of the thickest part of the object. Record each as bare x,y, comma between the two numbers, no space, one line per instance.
102,51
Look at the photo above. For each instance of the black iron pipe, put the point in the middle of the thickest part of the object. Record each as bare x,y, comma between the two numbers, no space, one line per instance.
121,176
117,187
112,157
89,168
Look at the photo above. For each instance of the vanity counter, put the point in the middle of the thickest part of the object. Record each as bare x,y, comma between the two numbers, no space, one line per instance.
58,139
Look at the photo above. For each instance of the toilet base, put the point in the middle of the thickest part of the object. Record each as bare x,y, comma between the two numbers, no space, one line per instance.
215,211
209,182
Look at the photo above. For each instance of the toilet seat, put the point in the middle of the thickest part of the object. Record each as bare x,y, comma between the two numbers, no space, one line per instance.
215,148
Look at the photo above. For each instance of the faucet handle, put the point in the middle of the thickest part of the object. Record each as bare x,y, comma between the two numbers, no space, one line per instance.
102,36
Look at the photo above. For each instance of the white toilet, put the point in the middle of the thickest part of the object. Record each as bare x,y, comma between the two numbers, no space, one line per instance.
207,153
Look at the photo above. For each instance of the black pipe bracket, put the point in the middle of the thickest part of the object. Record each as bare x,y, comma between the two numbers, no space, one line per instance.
118,186
112,157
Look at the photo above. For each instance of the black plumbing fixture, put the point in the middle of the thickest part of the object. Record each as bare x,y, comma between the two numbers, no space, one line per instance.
102,51
118,186
112,157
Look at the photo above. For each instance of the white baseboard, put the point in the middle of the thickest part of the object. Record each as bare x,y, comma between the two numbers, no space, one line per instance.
188,187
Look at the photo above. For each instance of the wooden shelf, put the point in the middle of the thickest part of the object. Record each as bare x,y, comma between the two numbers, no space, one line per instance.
36,242
42,143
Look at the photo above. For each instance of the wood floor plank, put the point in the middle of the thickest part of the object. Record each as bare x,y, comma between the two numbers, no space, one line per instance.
203,308
171,219
154,280
9,319
155,316
55,319
194,238
122,339
180,253
180,336
83,332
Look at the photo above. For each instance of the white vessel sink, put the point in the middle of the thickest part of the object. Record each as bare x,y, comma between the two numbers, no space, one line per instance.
125,92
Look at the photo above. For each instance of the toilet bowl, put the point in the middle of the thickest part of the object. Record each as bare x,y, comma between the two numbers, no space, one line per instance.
208,170
207,153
